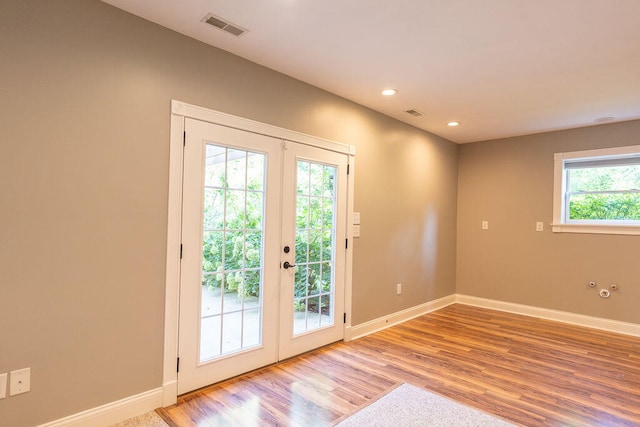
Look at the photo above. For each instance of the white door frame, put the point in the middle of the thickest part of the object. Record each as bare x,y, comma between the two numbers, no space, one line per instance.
180,111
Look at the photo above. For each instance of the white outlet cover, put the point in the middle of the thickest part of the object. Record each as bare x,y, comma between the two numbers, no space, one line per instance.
356,218
20,381
485,225
356,231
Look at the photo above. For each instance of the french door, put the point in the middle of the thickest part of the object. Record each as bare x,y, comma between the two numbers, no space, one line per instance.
314,228
262,271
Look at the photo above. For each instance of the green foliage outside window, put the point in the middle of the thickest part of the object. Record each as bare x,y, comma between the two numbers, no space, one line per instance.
233,217
605,207
604,193
233,213
314,237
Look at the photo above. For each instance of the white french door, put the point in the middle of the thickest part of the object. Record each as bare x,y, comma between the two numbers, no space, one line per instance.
263,234
230,243
314,228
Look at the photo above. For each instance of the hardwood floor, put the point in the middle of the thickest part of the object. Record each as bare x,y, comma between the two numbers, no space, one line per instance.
528,371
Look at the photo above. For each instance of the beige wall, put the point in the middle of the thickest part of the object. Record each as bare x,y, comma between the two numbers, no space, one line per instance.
85,91
510,184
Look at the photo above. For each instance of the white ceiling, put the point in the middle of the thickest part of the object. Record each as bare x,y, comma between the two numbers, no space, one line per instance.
500,67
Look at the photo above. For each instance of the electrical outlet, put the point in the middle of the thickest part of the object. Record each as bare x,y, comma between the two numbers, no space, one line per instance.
539,226
356,218
3,386
398,288
20,381
485,225
356,231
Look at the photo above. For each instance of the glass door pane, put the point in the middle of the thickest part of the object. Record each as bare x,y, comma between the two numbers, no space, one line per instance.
232,247
315,233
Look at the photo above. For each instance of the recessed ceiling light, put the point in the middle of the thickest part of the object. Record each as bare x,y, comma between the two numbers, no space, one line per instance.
389,92
453,123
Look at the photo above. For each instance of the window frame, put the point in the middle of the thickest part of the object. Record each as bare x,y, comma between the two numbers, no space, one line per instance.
560,223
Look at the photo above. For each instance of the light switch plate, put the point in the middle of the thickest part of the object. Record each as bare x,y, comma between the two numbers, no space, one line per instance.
356,218
3,386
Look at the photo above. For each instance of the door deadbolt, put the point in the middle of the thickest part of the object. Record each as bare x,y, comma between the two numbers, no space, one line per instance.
287,249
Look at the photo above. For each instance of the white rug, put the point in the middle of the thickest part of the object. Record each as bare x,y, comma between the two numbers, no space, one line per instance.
150,419
412,406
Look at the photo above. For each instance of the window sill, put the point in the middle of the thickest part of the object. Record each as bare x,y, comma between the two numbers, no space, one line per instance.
631,230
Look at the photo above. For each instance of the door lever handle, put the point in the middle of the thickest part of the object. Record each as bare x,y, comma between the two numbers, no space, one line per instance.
286,265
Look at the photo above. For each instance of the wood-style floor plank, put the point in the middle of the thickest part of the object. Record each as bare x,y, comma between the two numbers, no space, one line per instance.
529,371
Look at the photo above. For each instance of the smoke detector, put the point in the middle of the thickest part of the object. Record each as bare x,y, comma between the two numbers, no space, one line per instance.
224,25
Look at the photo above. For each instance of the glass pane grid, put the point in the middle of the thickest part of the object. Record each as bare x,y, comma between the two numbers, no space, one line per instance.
313,292
231,313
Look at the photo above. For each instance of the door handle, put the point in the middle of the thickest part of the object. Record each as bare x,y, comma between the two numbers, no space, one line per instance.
286,265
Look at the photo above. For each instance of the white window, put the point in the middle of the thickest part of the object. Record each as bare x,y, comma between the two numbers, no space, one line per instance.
597,191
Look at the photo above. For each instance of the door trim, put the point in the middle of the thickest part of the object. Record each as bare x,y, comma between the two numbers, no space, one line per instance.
179,112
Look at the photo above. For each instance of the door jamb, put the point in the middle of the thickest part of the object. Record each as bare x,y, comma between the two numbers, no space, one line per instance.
179,112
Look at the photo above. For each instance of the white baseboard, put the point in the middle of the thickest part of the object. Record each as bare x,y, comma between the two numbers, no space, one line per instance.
560,316
375,325
113,412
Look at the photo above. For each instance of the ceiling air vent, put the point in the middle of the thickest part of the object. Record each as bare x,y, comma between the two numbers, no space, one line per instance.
414,112
223,25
